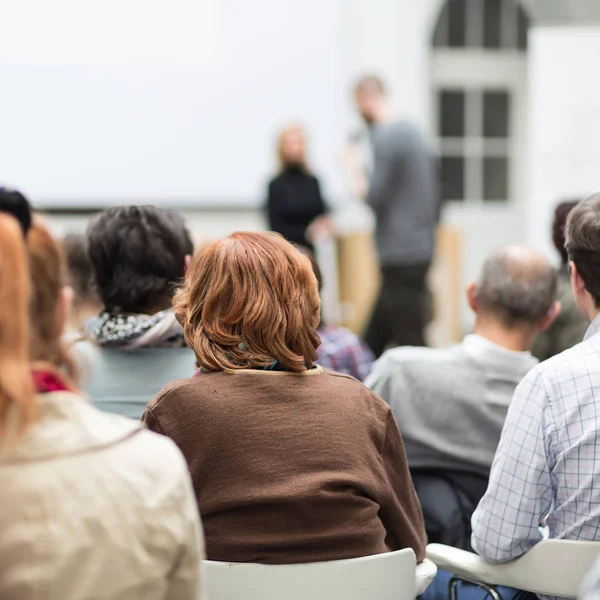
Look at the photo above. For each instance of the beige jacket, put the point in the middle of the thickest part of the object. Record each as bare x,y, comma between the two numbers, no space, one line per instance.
94,507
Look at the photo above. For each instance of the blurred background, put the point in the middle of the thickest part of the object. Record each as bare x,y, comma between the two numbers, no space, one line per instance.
179,104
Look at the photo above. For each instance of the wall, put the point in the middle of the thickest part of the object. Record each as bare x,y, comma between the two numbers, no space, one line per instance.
564,123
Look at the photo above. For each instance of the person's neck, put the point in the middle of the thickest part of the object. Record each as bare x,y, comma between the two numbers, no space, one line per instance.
385,114
516,339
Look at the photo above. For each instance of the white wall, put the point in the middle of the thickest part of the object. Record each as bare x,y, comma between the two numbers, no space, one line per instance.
564,123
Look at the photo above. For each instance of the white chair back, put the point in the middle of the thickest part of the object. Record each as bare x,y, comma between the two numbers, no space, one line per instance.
552,567
388,576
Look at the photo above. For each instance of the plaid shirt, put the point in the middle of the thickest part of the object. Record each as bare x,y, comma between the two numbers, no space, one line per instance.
344,352
548,459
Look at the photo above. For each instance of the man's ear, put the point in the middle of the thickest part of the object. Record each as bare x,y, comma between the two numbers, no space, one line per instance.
471,292
577,284
550,317
188,260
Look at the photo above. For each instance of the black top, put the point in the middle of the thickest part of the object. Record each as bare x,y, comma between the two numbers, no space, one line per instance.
294,202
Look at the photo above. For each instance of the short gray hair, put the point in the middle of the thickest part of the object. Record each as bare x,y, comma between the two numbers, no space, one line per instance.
517,285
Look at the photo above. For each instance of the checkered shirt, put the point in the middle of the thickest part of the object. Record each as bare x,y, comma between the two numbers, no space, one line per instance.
344,352
548,459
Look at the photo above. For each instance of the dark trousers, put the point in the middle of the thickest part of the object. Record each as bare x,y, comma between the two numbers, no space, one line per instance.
402,309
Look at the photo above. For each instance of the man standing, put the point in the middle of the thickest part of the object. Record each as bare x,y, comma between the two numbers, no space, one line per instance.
403,194
547,465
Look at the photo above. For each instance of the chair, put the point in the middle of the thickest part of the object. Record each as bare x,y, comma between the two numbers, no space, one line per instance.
391,576
552,567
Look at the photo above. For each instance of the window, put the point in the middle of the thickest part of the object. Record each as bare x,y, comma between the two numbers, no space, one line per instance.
479,47
486,24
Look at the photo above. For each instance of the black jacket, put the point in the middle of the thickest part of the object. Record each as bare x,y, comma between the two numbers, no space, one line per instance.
294,201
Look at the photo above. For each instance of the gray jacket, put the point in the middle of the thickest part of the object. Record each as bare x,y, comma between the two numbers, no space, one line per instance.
450,404
403,193
124,381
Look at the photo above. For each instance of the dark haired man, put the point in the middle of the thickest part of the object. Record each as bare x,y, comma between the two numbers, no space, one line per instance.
138,254
547,464
403,194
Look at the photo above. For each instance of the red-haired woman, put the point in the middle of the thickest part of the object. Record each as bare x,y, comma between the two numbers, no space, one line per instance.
290,463
91,505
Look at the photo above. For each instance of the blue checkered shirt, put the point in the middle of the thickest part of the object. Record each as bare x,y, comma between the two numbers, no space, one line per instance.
548,459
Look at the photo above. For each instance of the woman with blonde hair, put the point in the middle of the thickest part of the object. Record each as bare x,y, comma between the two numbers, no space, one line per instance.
91,505
295,207
290,463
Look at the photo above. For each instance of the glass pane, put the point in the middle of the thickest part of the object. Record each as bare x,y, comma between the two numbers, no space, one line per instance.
453,177
457,30
523,24
496,114
491,23
495,179
440,37
451,119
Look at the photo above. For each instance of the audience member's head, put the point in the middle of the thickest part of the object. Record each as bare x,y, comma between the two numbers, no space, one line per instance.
34,306
291,148
139,255
249,301
370,96
80,277
516,292
583,248
558,228
15,204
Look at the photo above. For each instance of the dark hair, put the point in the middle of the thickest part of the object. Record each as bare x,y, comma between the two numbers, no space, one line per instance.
15,204
80,272
518,285
314,264
138,255
558,227
583,243
370,83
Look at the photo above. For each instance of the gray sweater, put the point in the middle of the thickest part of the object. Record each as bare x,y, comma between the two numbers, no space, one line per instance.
450,404
403,193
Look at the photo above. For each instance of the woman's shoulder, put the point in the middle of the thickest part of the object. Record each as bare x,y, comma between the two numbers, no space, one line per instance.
352,392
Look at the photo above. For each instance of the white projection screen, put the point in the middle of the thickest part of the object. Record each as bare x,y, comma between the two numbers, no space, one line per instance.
178,102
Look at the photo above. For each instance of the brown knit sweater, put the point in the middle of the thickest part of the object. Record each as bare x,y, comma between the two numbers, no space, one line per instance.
290,467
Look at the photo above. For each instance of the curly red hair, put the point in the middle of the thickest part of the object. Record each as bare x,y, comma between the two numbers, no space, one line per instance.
248,300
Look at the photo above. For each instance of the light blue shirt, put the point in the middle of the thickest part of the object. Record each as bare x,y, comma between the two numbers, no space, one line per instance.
548,459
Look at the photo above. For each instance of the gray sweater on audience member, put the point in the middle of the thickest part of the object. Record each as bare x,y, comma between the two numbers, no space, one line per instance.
450,404
403,193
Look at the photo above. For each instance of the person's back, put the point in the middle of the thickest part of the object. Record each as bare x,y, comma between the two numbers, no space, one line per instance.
124,381
403,194
139,255
99,507
290,462
91,505
451,403
290,467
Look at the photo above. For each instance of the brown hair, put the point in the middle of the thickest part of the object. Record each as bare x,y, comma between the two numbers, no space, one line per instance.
582,234
16,386
370,83
48,274
291,128
31,279
248,300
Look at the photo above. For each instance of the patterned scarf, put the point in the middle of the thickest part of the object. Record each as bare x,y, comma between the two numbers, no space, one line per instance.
134,331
